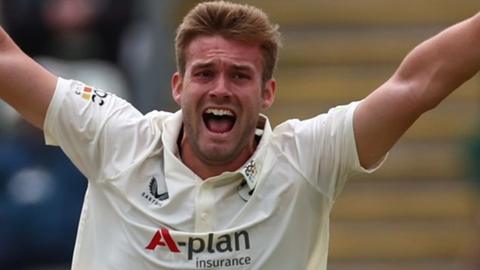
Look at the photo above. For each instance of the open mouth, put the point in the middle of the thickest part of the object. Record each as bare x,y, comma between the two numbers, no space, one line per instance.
219,120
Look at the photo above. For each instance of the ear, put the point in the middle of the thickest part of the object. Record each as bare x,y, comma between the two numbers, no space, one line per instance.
268,93
177,86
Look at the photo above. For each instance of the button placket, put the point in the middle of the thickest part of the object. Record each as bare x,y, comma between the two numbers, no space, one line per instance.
204,208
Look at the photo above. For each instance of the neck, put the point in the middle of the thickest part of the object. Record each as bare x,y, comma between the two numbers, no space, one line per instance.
205,169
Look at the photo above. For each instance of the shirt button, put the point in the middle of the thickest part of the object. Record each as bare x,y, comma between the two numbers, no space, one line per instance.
204,216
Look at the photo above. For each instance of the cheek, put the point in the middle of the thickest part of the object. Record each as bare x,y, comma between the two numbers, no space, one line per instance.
258,101
185,98
189,102
186,104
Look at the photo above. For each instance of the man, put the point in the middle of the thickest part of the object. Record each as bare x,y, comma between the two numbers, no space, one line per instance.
212,186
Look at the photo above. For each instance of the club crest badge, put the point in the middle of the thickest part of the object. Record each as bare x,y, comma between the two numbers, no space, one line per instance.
250,171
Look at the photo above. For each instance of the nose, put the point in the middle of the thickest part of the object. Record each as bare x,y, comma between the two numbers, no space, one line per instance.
221,89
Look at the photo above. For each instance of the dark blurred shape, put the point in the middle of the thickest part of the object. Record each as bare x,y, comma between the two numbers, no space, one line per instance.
68,29
41,194
111,44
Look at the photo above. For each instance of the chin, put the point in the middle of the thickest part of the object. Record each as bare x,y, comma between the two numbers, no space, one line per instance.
216,155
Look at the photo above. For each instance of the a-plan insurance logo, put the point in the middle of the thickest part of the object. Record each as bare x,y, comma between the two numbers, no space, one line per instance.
198,249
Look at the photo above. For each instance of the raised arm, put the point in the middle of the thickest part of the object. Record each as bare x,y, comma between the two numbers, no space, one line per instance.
426,76
24,84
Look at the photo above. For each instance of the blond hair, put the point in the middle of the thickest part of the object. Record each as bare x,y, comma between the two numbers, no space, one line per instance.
232,21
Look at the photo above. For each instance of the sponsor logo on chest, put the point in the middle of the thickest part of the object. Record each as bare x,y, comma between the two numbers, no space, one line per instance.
155,193
198,249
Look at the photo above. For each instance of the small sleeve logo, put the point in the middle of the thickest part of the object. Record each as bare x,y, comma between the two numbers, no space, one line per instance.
88,93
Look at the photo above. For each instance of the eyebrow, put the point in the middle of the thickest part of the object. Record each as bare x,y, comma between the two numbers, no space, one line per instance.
205,64
210,63
243,67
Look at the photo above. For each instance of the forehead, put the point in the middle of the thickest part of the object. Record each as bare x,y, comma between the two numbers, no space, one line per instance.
216,49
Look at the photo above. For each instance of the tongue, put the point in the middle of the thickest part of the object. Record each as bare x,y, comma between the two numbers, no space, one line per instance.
219,125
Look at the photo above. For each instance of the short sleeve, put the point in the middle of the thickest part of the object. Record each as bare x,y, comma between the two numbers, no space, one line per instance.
325,150
101,133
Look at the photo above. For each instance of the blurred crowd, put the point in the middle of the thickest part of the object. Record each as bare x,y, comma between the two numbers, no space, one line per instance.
122,46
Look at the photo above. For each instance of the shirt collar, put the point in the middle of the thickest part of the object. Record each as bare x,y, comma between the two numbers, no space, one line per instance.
250,170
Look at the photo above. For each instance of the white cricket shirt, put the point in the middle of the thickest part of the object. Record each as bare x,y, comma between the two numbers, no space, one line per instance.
144,209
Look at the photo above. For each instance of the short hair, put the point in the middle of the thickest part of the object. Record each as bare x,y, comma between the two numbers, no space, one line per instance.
232,21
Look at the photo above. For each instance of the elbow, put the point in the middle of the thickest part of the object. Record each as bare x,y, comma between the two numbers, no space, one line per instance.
416,96
423,96
431,104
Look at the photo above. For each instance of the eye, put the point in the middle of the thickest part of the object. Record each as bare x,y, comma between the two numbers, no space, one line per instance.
241,76
203,74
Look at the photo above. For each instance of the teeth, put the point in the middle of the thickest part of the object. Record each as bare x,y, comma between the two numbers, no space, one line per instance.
219,112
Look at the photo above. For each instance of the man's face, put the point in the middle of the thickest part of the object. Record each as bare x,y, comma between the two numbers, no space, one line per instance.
221,96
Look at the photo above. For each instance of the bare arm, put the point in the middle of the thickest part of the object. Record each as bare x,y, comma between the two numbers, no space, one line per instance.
426,76
24,84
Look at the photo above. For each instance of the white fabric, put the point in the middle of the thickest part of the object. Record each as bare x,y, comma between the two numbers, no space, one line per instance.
273,213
